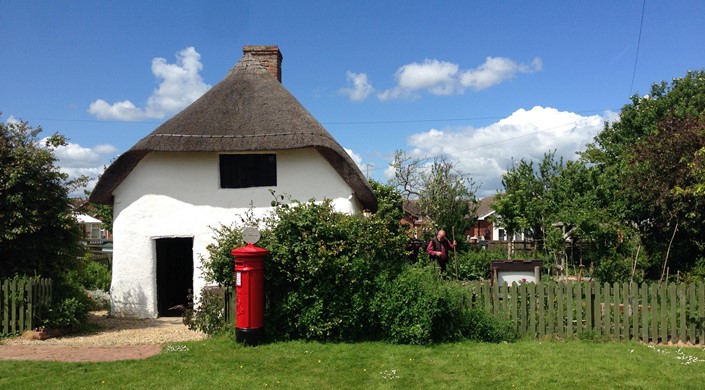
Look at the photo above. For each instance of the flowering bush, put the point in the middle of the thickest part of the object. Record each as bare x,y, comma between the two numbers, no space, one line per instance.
99,299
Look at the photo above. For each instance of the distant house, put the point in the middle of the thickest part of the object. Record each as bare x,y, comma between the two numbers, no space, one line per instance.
207,166
489,228
90,227
413,220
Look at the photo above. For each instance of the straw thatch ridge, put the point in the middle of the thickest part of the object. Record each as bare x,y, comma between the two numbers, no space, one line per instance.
249,110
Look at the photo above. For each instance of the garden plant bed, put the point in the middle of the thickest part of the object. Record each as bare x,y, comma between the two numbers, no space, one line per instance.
109,339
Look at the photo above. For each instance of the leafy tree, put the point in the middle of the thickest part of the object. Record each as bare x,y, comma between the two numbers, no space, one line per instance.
579,204
559,203
38,232
390,204
650,162
524,204
323,271
665,184
446,196
684,97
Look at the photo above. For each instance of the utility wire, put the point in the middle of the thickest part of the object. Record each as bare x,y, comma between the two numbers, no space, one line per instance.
638,45
380,122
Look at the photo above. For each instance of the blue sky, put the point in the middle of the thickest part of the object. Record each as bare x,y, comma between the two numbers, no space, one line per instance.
483,82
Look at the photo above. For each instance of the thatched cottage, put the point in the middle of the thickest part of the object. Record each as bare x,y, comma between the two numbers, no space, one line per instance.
208,165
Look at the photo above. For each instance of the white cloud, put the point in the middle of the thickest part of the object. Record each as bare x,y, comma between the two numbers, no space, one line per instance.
485,153
496,70
76,160
357,159
360,88
180,84
12,120
445,78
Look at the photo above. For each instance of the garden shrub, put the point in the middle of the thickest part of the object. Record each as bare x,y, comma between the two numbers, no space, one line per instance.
209,316
219,267
69,306
418,307
474,264
331,276
99,299
322,271
91,274
483,326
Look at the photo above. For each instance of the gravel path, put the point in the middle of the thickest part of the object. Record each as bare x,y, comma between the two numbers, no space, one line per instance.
116,339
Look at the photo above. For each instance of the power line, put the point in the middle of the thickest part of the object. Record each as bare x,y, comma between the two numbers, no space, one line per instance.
375,122
501,141
638,45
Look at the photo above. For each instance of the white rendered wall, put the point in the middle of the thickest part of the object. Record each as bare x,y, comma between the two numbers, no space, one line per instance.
178,195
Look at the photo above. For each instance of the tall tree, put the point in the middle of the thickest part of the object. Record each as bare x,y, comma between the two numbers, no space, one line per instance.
556,204
38,231
664,175
446,196
649,161
523,205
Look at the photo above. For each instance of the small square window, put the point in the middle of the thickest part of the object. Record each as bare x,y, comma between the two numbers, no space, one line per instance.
248,170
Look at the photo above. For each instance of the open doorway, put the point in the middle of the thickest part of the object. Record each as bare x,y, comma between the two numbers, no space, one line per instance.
174,274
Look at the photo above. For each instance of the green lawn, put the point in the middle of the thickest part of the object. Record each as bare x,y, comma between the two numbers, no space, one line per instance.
526,364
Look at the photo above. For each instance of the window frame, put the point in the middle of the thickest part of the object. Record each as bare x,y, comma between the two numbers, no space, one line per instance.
247,170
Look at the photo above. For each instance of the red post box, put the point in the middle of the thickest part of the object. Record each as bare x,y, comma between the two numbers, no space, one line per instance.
249,294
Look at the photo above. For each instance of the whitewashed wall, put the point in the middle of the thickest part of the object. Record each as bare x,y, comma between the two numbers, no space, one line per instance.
179,195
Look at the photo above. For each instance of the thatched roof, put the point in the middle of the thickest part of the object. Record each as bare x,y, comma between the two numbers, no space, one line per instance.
249,110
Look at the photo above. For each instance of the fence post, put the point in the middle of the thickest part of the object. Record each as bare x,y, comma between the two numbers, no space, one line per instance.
672,304
682,325
692,312
531,293
29,311
607,312
597,309
5,306
541,304
701,313
634,310
646,313
560,320
590,302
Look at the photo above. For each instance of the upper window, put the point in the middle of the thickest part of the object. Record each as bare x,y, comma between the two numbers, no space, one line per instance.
248,170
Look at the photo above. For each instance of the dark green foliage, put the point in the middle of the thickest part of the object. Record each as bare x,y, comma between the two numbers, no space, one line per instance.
562,204
69,306
475,264
322,270
38,232
334,277
613,270
484,327
219,267
209,316
661,169
419,307
389,204
91,274
650,163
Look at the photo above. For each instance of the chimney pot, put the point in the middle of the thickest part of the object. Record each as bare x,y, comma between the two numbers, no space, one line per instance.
269,56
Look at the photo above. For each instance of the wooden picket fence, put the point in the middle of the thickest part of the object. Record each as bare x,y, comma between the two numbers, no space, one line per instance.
647,312
21,301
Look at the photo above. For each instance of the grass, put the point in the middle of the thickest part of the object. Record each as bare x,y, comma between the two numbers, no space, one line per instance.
296,365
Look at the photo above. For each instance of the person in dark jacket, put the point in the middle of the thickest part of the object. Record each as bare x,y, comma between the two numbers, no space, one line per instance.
438,248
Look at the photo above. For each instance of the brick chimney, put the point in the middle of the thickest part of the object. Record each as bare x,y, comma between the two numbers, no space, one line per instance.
269,56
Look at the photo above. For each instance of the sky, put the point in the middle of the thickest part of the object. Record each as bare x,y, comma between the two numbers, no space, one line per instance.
485,84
